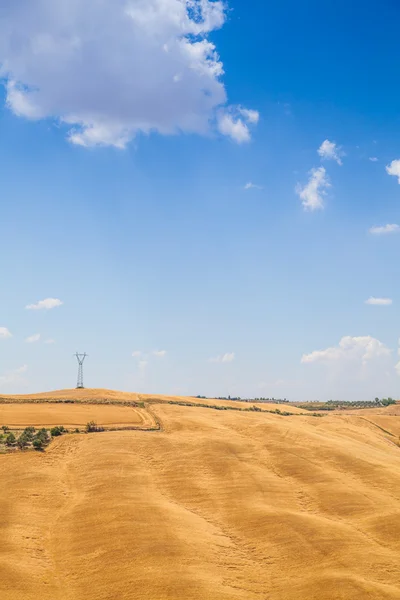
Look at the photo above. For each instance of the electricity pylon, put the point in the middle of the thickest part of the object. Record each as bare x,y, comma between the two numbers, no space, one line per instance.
80,358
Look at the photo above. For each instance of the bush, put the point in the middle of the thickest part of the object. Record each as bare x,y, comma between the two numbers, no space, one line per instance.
29,433
38,444
42,436
57,431
5,428
10,439
22,441
92,427
388,401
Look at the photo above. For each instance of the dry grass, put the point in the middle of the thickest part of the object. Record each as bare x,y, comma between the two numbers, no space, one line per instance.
71,416
218,506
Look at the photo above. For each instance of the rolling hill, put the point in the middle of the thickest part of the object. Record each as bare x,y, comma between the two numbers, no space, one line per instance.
219,504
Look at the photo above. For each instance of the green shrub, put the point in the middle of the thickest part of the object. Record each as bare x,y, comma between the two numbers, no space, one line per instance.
29,432
22,441
10,439
57,431
42,436
38,444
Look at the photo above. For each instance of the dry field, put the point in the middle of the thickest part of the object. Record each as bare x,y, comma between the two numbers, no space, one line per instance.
219,505
72,416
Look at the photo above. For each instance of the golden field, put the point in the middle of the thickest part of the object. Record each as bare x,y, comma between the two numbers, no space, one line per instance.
218,505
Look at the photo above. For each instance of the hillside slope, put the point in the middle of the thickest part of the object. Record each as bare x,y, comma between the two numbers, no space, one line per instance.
218,506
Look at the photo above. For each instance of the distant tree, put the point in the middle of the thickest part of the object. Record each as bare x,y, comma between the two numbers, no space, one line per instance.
388,401
22,441
5,428
10,439
42,436
38,444
57,431
29,432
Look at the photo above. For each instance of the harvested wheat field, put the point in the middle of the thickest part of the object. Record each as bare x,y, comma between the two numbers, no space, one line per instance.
72,415
218,505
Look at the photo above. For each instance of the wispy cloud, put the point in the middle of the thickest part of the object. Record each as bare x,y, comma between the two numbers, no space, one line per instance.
160,353
251,116
379,301
13,376
331,151
313,193
50,341
137,354
252,186
394,169
385,229
373,159
224,358
46,304
33,338
5,333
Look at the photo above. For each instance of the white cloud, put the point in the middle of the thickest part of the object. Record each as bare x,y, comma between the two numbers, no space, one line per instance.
5,333
384,229
234,128
251,116
313,193
350,349
50,341
46,304
379,301
394,169
13,376
33,338
224,358
373,159
160,353
137,354
252,186
110,70
330,151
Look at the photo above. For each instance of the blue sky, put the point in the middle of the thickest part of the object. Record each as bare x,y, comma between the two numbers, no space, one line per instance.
127,138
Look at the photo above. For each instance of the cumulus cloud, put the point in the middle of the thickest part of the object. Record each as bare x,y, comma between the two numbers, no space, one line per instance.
46,304
224,358
350,349
379,301
4,333
33,338
394,169
313,193
384,229
330,151
109,70
160,353
252,186
13,377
